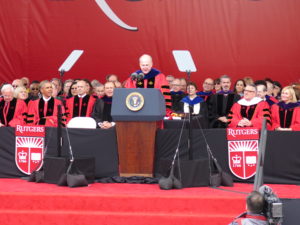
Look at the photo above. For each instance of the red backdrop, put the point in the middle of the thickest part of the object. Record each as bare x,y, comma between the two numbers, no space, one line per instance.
235,37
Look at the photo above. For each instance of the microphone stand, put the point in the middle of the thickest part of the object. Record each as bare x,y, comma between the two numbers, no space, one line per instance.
225,178
61,73
190,151
59,133
170,182
190,135
72,178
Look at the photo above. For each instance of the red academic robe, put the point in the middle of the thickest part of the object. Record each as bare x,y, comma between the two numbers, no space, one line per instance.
285,117
82,107
156,80
254,112
42,113
14,113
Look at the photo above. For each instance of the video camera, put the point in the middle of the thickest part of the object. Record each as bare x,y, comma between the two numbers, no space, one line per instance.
273,205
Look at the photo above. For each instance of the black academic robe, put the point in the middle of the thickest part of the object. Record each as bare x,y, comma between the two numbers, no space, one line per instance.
102,110
198,119
219,105
177,104
205,95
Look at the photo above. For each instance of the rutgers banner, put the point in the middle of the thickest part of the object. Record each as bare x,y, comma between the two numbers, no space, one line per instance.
242,151
29,148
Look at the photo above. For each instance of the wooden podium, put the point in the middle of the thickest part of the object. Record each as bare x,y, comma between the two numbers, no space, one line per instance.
136,129
136,142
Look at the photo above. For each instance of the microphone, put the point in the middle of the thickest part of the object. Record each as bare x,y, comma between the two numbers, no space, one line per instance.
134,76
140,76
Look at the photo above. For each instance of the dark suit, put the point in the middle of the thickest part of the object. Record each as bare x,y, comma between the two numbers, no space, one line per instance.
102,111
219,105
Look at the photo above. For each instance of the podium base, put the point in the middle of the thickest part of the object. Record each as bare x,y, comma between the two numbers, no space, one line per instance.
136,144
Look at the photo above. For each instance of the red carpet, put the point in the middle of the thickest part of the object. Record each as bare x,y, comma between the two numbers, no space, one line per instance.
121,204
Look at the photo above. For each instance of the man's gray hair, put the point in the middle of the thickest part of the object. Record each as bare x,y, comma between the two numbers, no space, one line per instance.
42,84
98,85
225,77
252,85
7,87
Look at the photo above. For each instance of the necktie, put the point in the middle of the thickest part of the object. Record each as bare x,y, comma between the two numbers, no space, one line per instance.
45,108
80,105
5,111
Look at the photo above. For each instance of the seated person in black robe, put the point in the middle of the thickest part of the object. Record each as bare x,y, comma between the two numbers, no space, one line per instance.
102,108
208,86
220,104
176,96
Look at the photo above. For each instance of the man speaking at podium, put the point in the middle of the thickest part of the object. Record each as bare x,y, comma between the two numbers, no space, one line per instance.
148,77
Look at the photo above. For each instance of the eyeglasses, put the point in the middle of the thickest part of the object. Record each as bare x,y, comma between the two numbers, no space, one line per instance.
34,89
15,86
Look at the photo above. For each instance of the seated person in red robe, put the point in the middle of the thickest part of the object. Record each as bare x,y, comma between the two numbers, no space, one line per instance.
153,78
286,114
102,108
249,111
44,111
12,111
262,92
80,105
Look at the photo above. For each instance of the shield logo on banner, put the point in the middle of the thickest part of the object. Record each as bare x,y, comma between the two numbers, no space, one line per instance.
243,157
29,153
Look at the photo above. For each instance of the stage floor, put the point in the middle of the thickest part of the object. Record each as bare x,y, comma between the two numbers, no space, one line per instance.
12,185
122,204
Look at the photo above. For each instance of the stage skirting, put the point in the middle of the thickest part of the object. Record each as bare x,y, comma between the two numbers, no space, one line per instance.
282,160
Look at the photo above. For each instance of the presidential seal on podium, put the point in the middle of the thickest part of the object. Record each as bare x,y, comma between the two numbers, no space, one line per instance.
135,101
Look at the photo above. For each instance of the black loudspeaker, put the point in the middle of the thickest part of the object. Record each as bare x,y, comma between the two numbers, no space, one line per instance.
55,167
193,173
